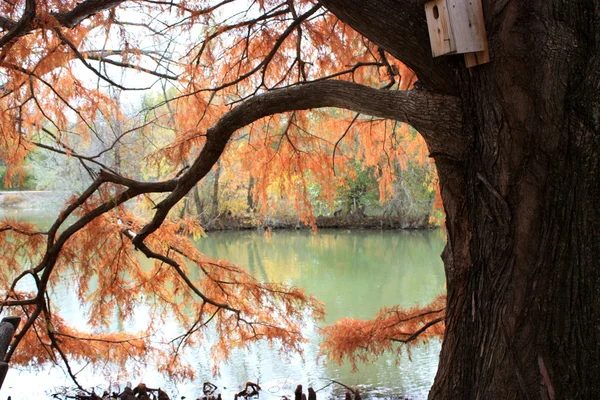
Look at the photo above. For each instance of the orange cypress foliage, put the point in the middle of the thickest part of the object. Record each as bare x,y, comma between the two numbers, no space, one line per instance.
51,338
106,270
19,244
360,341
60,67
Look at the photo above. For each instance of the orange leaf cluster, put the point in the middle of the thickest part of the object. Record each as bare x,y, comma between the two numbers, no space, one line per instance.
360,341
60,80
108,273
50,339
20,245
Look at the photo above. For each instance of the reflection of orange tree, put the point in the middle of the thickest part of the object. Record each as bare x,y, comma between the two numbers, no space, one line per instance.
276,273
240,95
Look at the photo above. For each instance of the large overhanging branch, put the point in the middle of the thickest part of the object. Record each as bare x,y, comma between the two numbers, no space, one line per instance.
437,117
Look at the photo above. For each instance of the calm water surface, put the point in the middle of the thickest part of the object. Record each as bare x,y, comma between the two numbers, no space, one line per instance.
354,273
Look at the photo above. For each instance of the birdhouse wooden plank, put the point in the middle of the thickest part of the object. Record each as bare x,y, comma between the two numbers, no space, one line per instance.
457,26
477,58
440,30
467,24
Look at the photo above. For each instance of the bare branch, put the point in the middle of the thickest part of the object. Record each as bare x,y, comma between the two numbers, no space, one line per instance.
15,303
99,340
342,138
79,56
28,324
72,154
265,62
227,28
97,56
416,334
167,260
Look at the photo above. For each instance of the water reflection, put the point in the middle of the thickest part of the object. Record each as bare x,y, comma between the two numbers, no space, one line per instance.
354,273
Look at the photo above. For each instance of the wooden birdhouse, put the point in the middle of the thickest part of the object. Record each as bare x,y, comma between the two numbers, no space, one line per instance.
457,27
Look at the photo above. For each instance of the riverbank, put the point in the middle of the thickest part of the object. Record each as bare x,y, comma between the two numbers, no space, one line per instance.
223,223
24,201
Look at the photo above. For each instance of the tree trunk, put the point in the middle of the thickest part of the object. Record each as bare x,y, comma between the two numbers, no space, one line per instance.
199,203
523,314
250,195
523,221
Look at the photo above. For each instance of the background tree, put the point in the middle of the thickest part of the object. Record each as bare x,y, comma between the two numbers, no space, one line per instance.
515,143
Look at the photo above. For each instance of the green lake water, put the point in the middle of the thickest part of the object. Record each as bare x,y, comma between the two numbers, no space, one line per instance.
354,273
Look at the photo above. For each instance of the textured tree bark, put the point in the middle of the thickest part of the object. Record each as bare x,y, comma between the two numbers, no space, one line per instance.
523,314
524,306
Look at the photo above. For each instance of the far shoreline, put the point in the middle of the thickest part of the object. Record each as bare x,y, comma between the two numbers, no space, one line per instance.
33,201
233,223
